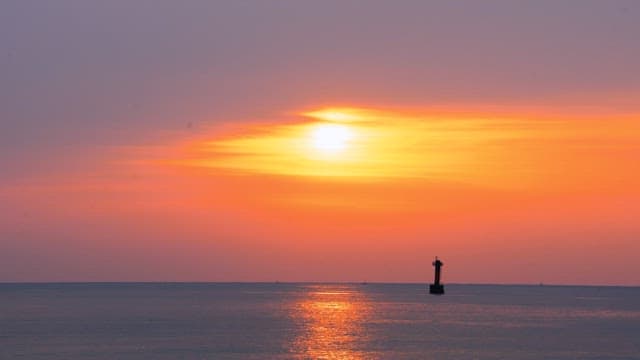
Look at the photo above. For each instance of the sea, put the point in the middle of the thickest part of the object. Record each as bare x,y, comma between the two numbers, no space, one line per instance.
316,321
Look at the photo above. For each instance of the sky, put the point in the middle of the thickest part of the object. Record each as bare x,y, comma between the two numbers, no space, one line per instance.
320,141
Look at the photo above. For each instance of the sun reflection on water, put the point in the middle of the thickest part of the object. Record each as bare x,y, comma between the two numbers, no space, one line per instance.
332,319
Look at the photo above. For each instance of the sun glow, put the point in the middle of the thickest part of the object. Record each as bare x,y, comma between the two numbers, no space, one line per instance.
362,144
356,143
331,138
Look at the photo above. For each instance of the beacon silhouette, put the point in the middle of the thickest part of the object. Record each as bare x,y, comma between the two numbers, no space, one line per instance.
436,288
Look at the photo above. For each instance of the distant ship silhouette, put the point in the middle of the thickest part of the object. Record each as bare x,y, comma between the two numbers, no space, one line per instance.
437,288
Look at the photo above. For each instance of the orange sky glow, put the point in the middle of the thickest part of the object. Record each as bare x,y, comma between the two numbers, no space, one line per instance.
492,151
315,141
352,194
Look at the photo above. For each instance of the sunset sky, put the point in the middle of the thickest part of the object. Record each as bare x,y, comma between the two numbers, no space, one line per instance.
320,141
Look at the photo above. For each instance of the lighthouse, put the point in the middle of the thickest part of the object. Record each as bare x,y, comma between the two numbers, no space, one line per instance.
436,288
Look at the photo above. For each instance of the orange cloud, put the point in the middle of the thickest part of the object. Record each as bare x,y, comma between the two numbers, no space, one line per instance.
356,144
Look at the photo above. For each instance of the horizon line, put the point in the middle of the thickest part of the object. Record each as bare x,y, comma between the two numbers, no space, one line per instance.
542,284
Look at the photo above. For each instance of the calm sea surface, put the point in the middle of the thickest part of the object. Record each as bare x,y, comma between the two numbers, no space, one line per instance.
316,321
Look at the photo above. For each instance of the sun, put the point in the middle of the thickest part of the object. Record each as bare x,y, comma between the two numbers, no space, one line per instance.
331,138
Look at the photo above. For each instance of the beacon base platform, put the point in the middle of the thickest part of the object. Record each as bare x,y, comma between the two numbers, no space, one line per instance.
436,289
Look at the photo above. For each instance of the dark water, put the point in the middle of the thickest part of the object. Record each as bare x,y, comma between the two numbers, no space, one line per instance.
316,321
